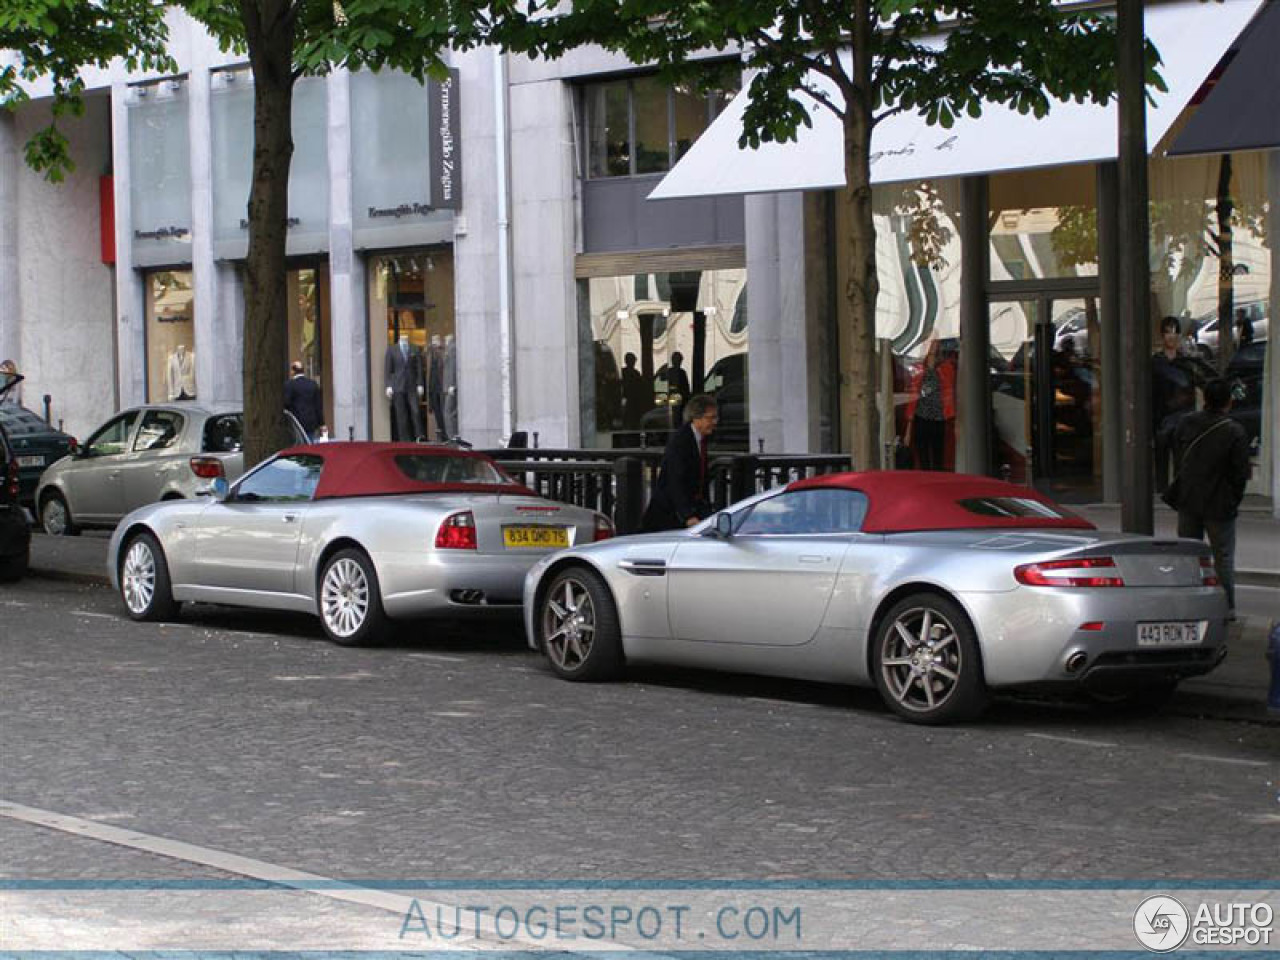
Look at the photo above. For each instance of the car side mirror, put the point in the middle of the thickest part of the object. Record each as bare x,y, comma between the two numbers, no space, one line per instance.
218,488
724,525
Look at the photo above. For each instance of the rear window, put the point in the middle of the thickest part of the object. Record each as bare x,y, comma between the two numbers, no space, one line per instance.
222,434
437,468
19,420
1011,507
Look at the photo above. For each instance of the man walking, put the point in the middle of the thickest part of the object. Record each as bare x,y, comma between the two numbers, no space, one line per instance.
679,496
302,399
1212,454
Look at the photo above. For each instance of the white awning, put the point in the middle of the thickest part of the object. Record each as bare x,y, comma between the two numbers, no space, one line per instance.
1191,36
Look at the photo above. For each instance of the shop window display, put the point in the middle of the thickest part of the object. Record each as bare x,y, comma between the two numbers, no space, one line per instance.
171,361
657,339
307,294
413,352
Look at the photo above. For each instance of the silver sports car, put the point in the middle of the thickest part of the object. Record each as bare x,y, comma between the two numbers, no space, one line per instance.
355,532
935,588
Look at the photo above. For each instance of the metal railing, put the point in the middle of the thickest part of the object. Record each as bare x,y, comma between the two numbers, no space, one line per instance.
617,482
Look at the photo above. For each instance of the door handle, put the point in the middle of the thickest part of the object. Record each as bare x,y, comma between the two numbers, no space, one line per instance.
290,517
114,475
813,558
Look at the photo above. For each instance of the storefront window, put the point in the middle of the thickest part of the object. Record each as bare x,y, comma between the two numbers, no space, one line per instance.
307,294
1211,271
1044,224
608,130
411,298
657,339
171,359
649,101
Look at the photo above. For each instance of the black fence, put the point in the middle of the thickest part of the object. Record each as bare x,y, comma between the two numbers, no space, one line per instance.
616,482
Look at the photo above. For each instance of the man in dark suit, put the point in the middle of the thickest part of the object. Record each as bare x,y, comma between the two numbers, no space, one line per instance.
302,399
679,496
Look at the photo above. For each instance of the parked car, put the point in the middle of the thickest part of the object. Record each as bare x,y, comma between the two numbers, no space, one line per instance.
357,533
934,588
145,454
15,525
35,444
1247,366
1206,330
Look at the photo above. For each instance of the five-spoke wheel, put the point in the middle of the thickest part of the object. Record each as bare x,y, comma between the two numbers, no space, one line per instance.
926,666
350,601
578,626
144,580
55,516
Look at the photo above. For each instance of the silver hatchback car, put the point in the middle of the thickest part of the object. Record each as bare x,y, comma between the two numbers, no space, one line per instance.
139,456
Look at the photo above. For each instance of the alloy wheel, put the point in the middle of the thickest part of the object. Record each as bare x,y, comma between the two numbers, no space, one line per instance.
54,517
138,578
921,659
569,624
344,597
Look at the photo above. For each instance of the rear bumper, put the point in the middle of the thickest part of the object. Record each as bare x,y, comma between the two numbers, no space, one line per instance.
454,584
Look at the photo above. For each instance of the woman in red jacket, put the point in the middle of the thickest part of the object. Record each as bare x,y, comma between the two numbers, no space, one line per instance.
932,404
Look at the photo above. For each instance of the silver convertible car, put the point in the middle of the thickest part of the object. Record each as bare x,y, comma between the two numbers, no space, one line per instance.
935,588
354,532
139,456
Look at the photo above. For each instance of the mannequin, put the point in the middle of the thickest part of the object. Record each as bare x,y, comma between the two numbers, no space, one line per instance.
180,374
435,385
403,370
450,388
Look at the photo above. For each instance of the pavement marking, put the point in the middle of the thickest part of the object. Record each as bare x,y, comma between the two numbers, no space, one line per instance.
1079,741
1236,761
282,876
437,656
94,613
14,603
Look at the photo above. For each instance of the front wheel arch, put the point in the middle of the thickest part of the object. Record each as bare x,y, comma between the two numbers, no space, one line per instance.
557,568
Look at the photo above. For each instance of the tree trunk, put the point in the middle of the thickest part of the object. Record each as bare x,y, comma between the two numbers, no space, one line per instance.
270,32
863,281
1226,267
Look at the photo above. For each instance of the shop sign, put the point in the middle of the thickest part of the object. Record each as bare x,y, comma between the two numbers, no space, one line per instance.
163,233
444,110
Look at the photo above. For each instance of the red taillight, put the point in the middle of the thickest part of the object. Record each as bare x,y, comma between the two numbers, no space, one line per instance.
1208,573
1046,575
12,479
207,468
458,532
604,528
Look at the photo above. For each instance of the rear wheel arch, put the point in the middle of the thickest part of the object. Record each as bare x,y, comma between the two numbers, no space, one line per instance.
335,546
906,590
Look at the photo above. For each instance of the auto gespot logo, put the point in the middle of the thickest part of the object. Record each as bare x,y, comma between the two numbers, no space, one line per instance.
1162,924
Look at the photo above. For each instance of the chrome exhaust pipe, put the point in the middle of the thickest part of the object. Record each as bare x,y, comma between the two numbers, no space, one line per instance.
1076,661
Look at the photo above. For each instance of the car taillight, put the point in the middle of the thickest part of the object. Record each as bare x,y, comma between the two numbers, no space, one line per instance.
1064,573
1208,573
604,528
207,468
12,479
458,532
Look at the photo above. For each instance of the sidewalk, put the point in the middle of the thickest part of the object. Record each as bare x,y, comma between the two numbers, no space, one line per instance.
1236,690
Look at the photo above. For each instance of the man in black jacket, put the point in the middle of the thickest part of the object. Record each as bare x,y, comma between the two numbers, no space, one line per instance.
1212,463
302,399
679,497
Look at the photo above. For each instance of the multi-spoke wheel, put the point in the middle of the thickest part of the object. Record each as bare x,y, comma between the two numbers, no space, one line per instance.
578,626
55,516
926,661
350,602
144,580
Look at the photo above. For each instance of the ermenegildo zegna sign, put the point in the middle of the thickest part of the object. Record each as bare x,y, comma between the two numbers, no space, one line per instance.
443,113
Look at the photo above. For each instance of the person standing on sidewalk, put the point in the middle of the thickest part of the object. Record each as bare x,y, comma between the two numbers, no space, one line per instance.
1212,454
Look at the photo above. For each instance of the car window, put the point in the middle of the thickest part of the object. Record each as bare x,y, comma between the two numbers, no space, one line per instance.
434,468
160,430
284,479
20,421
1010,507
807,512
113,437
223,433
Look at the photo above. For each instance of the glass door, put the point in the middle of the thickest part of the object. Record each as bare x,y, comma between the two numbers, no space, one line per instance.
1046,395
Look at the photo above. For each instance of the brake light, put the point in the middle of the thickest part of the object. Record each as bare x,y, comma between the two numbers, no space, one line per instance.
1208,573
1047,574
604,528
12,471
458,532
207,468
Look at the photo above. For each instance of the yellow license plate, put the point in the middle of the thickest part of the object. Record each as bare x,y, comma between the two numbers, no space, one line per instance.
544,538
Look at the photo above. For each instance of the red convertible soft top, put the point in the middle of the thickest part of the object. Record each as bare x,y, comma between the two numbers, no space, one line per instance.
363,469
900,501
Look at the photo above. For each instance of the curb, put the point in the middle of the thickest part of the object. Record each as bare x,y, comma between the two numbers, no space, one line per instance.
1258,578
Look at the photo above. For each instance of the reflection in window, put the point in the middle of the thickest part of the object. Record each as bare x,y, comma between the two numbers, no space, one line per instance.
114,437
807,512
649,103
608,130
222,434
159,430
443,469
283,479
651,354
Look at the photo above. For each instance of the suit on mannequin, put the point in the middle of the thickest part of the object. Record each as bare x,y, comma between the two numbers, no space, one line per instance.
180,374
403,369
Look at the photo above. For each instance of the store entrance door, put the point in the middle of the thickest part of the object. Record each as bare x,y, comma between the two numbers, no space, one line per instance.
1046,400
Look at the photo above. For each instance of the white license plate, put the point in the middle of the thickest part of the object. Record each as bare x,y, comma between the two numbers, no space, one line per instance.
1184,634
31,461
